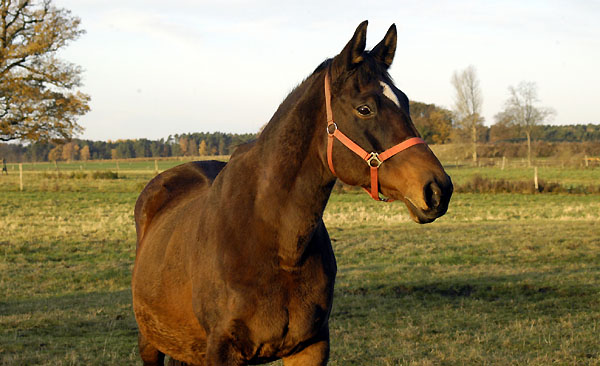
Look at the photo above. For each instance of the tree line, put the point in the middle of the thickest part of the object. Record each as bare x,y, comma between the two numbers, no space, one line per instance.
438,125
191,144
434,123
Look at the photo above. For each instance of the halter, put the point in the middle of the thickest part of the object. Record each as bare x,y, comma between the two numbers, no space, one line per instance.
373,159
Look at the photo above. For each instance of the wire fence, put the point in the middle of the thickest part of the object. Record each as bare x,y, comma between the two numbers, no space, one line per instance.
519,163
560,174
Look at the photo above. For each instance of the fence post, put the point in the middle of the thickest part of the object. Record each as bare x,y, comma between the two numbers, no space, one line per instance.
21,176
585,159
503,162
535,179
117,168
156,166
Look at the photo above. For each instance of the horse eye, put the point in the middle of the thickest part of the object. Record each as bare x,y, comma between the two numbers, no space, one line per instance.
364,110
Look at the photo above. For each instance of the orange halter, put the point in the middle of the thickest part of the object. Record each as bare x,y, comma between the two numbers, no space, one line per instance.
373,159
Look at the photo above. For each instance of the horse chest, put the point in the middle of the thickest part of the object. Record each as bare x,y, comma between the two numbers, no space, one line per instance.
293,313
267,306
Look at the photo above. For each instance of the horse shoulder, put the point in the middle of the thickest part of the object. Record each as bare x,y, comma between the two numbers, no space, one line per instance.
170,186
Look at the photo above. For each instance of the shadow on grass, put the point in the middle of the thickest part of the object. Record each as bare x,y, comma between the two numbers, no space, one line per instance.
532,288
54,330
88,300
534,318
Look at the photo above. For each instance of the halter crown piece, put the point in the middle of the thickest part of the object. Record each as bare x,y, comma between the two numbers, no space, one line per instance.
373,159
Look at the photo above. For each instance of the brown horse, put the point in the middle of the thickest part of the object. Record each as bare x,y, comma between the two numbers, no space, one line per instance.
234,265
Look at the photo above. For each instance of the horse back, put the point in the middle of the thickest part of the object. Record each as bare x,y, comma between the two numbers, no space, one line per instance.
171,186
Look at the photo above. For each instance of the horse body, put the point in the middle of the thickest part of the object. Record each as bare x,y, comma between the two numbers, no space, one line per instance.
234,265
265,280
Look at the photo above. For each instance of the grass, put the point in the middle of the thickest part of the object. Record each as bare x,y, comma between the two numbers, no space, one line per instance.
502,279
484,291
65,264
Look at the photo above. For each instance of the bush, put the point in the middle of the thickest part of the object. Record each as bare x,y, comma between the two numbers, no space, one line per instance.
60,175
82,175
105,175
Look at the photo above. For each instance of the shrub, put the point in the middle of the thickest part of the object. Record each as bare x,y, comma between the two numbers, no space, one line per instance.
105,175
61,175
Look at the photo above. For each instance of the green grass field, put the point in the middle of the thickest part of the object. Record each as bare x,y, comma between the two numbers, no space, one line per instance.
505,279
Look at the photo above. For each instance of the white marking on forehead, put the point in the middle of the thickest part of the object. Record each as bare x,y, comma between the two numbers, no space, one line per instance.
389,93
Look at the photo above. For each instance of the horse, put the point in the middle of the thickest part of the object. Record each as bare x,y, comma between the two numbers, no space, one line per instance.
234,265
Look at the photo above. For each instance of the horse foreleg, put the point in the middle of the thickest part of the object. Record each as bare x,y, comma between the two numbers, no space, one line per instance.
223,350
173,362
315,354
150,355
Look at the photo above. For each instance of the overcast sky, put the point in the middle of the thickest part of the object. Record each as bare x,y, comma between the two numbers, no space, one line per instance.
155,68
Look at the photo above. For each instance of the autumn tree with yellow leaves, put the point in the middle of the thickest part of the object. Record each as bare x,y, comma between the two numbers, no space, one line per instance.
39,99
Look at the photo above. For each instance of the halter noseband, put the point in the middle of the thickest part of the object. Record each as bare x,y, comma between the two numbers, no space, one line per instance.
373,159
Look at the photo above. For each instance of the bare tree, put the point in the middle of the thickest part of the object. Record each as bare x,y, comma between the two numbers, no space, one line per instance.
468,101
520,111
38,100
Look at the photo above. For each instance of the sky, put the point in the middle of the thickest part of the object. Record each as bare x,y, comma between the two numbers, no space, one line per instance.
154,68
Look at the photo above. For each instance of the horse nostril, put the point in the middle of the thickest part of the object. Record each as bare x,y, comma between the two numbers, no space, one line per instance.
433,195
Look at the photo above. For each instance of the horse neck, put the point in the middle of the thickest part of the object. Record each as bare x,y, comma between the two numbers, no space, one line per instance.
296,184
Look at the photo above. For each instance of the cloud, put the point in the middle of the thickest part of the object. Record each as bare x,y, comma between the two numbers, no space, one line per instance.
153,25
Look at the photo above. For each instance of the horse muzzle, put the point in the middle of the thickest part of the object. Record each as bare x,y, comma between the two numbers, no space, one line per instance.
435,198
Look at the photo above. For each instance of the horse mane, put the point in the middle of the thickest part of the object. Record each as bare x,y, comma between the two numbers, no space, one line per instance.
284,108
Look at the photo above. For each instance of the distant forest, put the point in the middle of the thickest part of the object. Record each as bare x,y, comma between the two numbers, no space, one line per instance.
218,143
192,144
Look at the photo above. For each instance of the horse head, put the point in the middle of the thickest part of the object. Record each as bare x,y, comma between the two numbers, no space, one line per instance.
365,106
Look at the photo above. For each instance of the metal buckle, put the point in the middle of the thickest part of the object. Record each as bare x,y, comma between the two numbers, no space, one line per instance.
374,159
332,124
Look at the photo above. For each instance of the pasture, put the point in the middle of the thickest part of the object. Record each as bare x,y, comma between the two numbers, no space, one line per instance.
501,279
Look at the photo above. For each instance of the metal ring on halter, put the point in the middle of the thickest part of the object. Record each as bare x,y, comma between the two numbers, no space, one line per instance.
334,128
374,159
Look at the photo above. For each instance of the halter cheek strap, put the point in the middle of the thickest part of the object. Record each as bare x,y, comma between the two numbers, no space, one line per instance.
373,159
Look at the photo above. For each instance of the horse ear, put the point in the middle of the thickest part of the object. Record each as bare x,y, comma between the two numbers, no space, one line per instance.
351,55
385,50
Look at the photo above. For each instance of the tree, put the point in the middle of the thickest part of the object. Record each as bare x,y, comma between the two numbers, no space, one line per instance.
441,122
222,146
38,151
125,149
55,154
38,97
184,144
192,148
156,148
468,101
84,154
434,123
503,129
202,149
520,111
70,151
141,148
